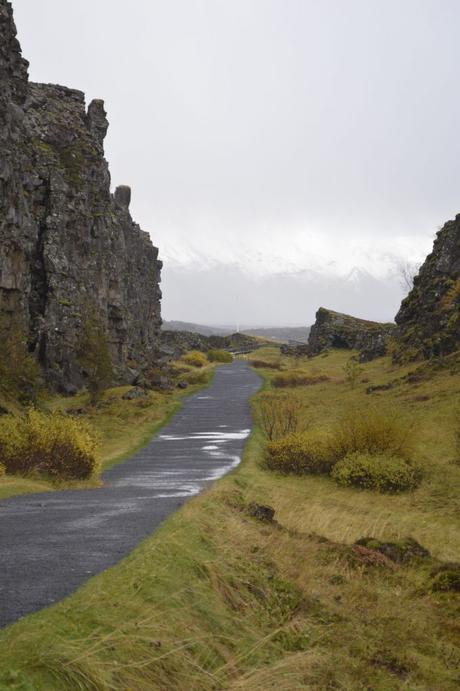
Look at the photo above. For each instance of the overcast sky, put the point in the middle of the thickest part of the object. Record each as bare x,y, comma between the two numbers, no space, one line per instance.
273,146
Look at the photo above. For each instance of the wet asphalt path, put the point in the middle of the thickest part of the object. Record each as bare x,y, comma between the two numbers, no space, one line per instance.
51,543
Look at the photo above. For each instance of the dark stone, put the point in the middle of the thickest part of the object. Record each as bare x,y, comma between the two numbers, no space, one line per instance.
123,196
297,350
336,330
134,393
132,376
182,385
400,552
261,512
66,243
429,318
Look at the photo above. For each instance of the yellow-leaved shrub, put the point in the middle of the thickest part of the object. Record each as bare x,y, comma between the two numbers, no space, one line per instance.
195,358
373,431
301,453
217,355
56,446
381,472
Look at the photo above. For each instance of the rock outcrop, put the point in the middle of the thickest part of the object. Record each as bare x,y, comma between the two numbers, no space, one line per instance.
337,330
178,342
429,318
67,245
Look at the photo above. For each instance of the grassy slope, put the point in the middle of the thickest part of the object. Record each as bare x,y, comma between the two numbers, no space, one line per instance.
124,427
216,599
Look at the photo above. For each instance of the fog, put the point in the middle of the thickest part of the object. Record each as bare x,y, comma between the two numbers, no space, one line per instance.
282,153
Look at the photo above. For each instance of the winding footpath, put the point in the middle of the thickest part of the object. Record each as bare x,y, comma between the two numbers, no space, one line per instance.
51,543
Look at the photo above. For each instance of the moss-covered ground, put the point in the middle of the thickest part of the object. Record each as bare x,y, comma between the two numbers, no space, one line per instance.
216,599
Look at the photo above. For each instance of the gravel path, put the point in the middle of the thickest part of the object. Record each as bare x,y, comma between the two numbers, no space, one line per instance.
51,543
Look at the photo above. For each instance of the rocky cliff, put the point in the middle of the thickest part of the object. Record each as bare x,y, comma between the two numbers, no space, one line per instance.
429,318
67,245
336,330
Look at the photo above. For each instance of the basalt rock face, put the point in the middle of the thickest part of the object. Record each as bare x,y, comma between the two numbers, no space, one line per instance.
429,318
337,330
67,245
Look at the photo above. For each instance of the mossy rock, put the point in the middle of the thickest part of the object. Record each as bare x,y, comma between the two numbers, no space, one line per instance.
401,551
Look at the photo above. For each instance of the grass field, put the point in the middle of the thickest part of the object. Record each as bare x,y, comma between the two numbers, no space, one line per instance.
219,600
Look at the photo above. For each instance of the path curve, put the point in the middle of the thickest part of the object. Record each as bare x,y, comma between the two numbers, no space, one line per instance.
51,543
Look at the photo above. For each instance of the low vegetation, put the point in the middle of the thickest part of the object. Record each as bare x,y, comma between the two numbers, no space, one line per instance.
299,454
52,446
121,426
381,472
195,358
20,378
219,356
346,589
278,414
353,371
266,364
367,428
366,448
290,379
456,431
94,356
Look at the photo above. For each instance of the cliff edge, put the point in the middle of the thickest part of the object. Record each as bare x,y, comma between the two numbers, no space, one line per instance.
429,318
67,244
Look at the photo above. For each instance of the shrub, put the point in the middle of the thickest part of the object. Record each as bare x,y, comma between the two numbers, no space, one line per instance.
278,414
265,364
353,371
297,379
195,358
382,472
56,446
299,454
373,431
219,356
94,356
19,371
197,377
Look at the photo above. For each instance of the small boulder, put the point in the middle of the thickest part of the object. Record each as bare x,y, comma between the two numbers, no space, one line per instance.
134,393
182,385
261,512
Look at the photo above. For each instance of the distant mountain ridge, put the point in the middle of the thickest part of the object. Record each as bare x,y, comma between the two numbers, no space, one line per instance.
175,325
285,334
